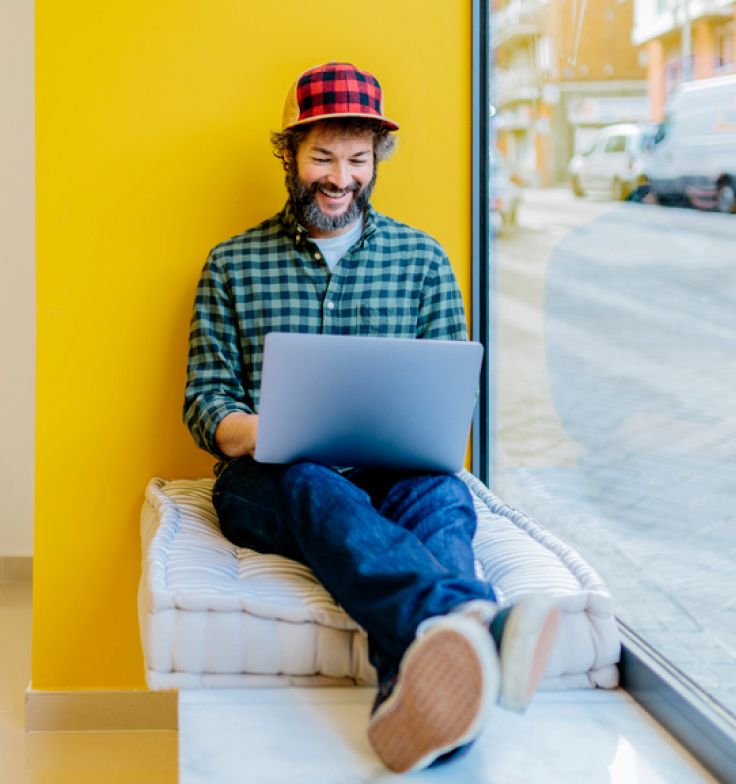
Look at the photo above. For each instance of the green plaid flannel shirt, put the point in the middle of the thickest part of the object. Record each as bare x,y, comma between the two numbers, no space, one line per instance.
395,282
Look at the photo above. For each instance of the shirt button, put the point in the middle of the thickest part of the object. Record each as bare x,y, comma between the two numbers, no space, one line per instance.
330,305
317,256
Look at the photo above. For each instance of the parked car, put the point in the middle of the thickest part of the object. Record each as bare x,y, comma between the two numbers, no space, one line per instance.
505,193
693,157
612,164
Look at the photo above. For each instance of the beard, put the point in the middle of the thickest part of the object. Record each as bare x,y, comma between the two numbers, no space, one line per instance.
304,202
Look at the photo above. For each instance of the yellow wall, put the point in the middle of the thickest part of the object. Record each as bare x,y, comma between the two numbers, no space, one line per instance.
152,145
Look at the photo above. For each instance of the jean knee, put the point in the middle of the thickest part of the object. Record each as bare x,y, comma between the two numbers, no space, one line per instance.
454,494
453,491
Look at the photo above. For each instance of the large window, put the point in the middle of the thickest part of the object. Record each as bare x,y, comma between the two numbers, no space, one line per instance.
613,304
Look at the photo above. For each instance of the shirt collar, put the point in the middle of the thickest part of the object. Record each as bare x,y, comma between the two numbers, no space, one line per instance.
299,234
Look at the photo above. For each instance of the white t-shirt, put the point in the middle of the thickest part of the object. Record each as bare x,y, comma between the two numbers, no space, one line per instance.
334,248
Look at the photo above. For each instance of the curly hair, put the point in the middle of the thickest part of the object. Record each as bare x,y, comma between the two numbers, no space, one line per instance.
286,143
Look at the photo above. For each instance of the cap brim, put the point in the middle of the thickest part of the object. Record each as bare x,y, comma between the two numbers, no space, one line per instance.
388,124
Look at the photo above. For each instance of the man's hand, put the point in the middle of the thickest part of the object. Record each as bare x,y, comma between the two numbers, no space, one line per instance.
236,434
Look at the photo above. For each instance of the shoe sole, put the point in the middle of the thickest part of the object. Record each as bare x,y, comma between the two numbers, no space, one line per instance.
528,639
447,680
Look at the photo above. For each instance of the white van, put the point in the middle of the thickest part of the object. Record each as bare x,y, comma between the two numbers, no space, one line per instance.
693,157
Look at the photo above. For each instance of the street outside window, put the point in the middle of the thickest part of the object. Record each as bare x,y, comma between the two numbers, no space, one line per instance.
614,304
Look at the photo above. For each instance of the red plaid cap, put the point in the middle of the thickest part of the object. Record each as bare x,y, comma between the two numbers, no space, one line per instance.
334,90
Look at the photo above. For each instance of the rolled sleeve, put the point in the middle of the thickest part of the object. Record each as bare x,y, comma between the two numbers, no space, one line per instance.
204,416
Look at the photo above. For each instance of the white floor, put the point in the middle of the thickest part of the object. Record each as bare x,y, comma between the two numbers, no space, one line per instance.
317,736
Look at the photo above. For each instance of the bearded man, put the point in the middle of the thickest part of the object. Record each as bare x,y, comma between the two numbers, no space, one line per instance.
393,548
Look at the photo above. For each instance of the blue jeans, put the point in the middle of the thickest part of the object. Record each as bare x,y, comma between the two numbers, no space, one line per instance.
392,548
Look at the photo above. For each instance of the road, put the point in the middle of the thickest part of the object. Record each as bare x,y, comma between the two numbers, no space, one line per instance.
616,408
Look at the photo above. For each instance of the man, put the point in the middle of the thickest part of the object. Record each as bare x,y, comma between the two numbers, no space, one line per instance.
393,548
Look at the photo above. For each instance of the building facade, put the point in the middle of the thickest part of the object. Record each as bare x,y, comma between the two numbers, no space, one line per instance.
562,69
683,40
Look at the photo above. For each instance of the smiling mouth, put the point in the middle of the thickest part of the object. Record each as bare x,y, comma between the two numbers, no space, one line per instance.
335,194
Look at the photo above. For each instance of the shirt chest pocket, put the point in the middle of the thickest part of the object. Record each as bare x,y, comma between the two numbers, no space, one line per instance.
385,321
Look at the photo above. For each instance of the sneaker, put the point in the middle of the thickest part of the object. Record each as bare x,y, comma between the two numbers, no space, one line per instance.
525,634
447,681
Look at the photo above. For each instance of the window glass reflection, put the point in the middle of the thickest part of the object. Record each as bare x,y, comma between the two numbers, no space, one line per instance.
615,303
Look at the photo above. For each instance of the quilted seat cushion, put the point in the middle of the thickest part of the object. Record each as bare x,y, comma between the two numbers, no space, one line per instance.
213,614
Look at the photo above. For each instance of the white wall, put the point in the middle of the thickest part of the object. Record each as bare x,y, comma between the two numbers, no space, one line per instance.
17,278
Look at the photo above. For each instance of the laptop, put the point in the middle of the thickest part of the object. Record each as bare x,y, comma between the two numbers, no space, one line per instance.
344,400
